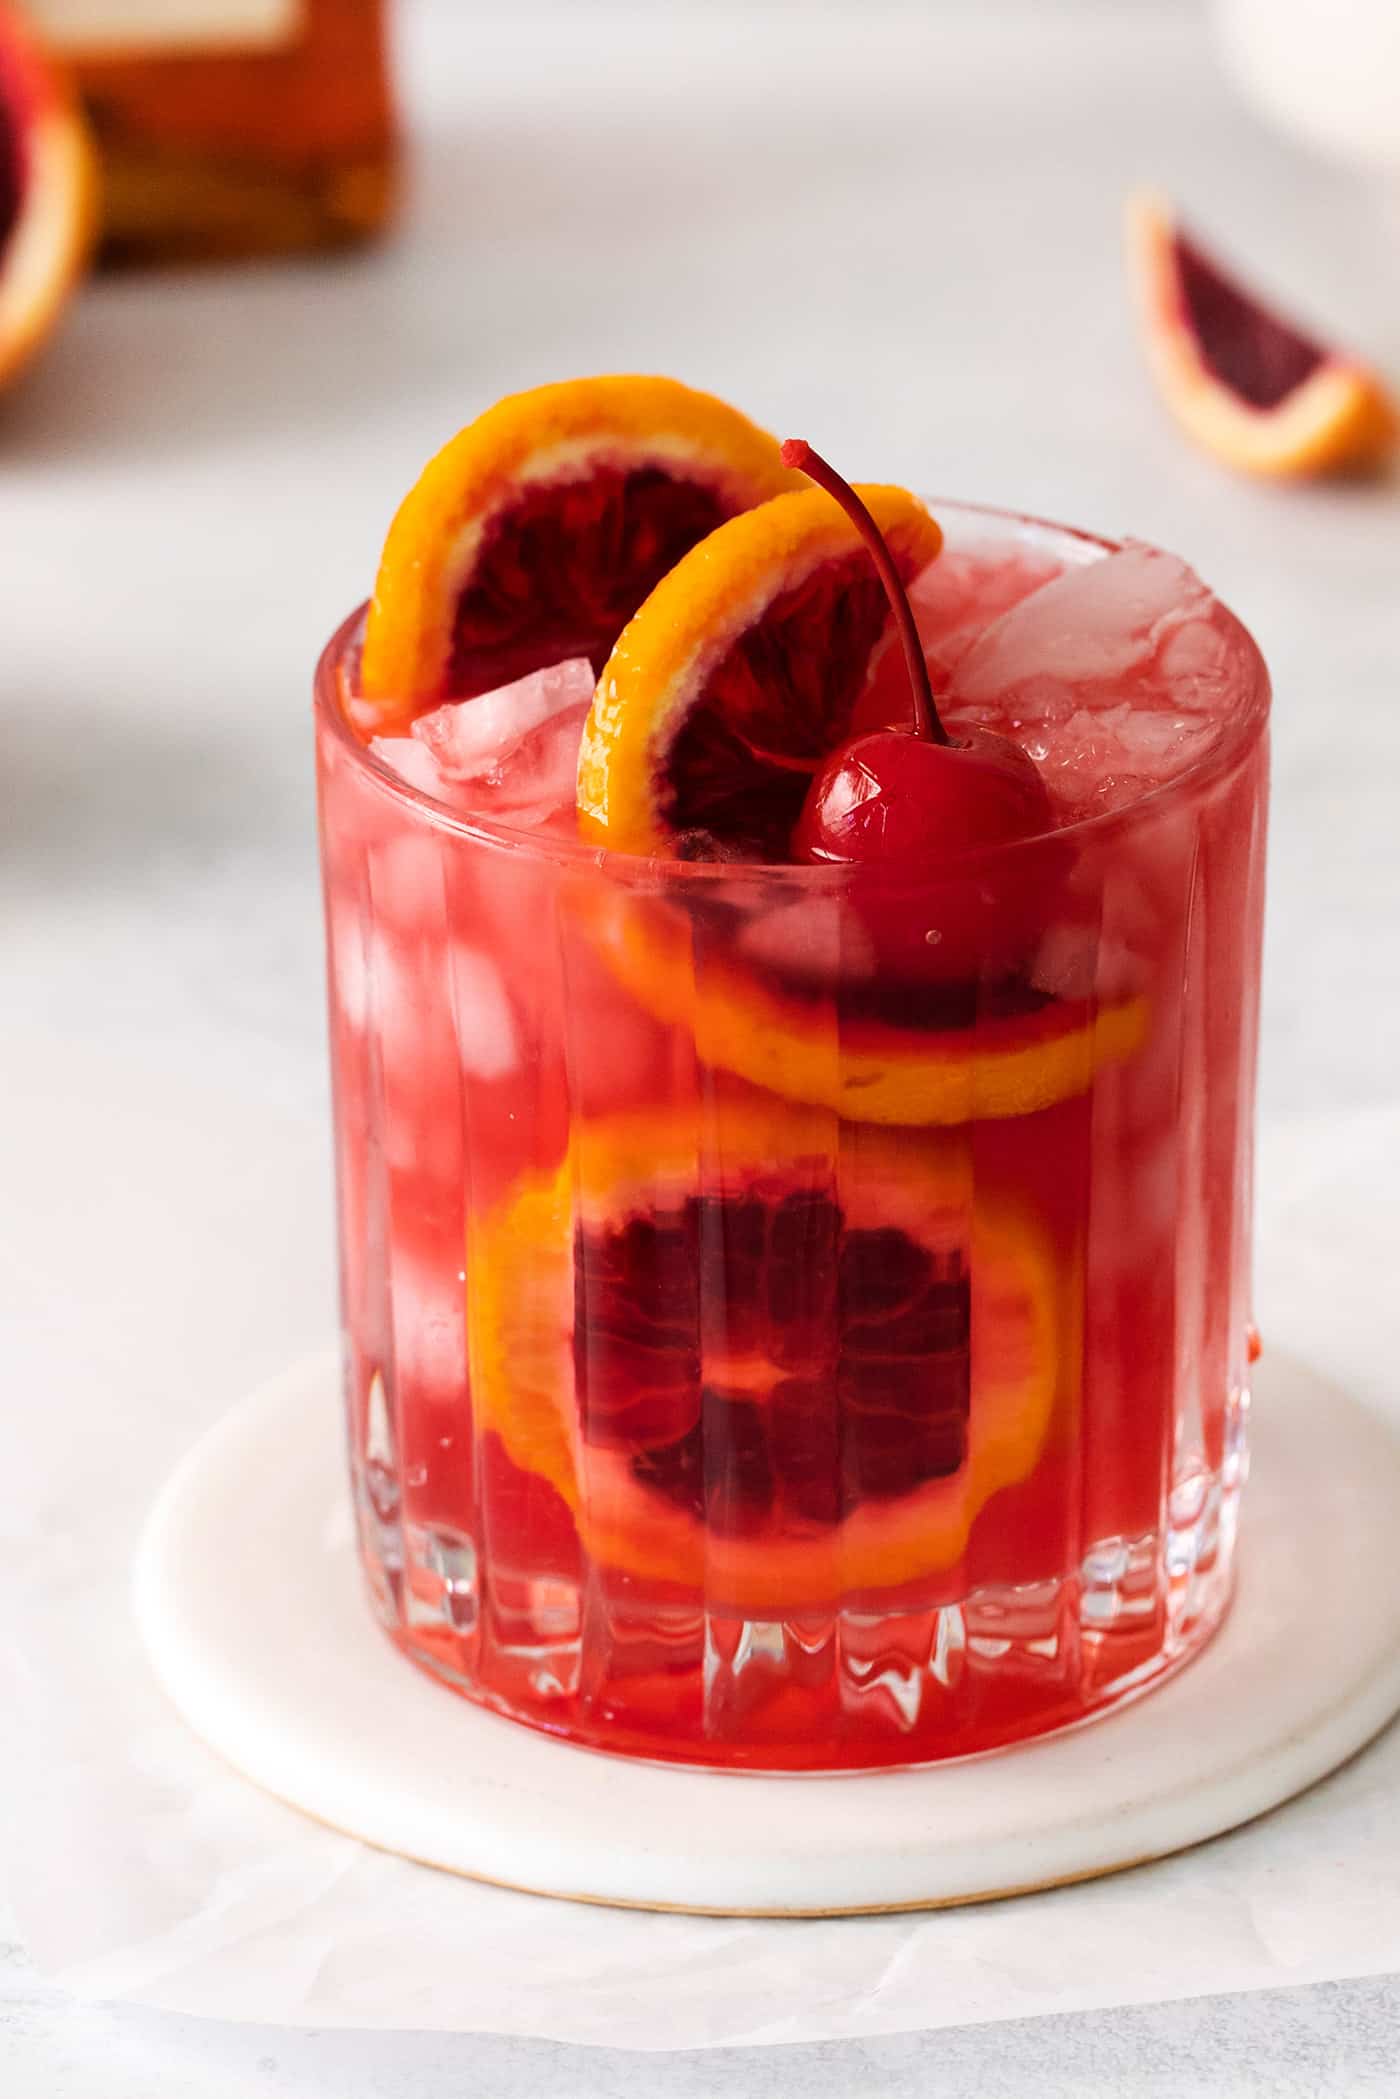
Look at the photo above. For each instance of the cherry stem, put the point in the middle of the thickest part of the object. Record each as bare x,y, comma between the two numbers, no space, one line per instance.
798,453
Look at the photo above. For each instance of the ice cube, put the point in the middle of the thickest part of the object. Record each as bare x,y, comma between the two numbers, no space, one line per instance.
468,738
1095,626
430,1343
394,1000
412,1026
1197,662
510,754
1113,678
954,600
406,883
957,597
1101,758
411,760
534,785
818,940
486,1034
348,965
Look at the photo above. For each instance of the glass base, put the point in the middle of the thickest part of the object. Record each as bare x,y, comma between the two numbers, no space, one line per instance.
847,1690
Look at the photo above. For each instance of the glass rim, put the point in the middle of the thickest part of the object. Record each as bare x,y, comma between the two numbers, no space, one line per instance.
1241,732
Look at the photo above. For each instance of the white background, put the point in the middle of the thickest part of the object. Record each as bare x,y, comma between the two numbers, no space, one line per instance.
892,229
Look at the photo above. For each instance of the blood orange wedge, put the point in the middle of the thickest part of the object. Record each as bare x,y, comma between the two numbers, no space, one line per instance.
48,194
739,675
761,1356
1249,386
537,531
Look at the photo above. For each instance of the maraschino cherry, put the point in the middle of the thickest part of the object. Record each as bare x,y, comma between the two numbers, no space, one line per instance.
913,801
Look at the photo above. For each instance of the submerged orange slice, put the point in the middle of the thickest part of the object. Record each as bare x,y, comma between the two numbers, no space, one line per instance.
538,530
1248,386
763,1357
739,675
48,195
804,1048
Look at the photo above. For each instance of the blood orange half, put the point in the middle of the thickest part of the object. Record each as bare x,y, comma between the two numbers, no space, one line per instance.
739,675
48,195
1250,387
536,533
764,1357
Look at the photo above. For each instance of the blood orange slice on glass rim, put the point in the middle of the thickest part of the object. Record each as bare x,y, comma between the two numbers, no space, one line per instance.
533,536
739,675
1252,388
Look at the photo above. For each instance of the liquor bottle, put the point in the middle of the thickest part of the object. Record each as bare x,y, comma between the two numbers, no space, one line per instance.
233,127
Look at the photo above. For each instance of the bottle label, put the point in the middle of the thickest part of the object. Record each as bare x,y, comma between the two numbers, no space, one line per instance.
134,27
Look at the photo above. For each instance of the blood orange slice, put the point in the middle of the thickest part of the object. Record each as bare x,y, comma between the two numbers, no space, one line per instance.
1250,387
48,195
739,675
536,533
941,1070
762,1357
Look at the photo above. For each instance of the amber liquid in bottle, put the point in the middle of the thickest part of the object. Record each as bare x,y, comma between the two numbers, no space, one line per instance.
233,127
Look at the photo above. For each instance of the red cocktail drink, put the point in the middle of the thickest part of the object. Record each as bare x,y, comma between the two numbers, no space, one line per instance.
773,1340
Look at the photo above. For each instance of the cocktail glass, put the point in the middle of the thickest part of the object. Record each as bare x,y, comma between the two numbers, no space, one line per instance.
750,1360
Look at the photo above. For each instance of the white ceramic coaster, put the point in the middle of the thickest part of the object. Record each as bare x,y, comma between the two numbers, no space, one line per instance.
250,1601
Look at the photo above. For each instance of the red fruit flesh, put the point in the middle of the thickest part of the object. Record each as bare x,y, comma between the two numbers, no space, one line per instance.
752,1352
631,527
1257,355
771,712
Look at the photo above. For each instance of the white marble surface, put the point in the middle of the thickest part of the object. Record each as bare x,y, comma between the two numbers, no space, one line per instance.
893,229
